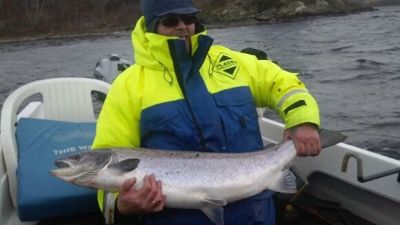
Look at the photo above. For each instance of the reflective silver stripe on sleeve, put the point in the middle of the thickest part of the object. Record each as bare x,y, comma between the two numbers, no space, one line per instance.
109,207
283,99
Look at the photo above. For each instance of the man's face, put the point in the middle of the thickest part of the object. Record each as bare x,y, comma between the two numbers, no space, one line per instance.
182,26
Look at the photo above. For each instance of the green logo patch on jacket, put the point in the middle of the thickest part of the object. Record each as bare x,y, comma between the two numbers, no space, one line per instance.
226,66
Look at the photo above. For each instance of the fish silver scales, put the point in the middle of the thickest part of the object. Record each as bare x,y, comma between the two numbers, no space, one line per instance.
194,170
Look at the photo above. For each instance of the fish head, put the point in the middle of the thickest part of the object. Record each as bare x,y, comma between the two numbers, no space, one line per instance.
82,169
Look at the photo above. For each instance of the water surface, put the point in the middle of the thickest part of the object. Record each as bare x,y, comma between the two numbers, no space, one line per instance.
351,63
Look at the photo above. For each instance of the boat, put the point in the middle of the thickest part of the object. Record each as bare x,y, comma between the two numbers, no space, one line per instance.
343,185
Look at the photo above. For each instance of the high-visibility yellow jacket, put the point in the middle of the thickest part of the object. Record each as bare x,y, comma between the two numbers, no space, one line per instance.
204,101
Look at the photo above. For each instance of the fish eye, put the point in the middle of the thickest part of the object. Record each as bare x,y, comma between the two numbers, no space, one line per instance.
76,157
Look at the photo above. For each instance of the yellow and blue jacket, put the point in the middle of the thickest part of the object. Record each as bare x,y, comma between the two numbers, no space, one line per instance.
204,100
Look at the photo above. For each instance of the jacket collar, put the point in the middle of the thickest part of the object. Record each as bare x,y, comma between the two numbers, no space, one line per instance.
151,50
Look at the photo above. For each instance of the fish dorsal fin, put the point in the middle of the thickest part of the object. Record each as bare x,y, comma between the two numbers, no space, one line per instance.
213,210
126,165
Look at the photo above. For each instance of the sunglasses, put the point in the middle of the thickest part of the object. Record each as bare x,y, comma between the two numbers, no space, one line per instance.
173,20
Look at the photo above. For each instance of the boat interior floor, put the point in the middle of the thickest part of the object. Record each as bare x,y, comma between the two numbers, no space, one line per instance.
310,210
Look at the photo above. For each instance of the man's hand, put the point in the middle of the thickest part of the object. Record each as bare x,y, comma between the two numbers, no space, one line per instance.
148,199
306,139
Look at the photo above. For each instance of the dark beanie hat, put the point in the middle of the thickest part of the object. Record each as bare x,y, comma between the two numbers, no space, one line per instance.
154,9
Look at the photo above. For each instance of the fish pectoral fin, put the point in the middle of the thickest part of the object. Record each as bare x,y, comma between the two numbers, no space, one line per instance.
213,210
125,165
286,183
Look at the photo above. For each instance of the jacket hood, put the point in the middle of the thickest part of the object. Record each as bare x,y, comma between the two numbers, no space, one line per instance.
151,50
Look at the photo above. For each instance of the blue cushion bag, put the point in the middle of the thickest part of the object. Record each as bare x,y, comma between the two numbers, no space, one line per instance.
40,195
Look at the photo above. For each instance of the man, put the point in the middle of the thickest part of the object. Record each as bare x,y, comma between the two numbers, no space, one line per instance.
182,93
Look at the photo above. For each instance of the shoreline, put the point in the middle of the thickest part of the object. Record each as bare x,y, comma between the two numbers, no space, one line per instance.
110,32
251,21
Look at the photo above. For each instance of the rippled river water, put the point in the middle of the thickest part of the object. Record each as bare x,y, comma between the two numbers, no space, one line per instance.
351,63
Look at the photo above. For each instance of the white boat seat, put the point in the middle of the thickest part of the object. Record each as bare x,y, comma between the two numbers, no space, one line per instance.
62,99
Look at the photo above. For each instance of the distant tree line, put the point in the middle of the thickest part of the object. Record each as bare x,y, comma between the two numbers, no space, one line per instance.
53,17
27,17
58,17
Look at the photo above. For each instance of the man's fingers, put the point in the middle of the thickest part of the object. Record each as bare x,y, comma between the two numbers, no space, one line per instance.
149,192
159,206
127,185
306,139
159,186
300,148
146,189
155,198
147,199
159,196
314,147
151,189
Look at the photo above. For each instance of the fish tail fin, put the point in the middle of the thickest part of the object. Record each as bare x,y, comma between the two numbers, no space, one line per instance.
330,137
286,183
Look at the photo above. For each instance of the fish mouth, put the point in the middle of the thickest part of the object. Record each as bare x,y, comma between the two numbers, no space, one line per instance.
65,170
62,164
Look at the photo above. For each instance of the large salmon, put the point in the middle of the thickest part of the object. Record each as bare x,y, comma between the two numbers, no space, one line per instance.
190,180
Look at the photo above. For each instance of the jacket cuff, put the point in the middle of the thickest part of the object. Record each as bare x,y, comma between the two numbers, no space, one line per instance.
121,219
